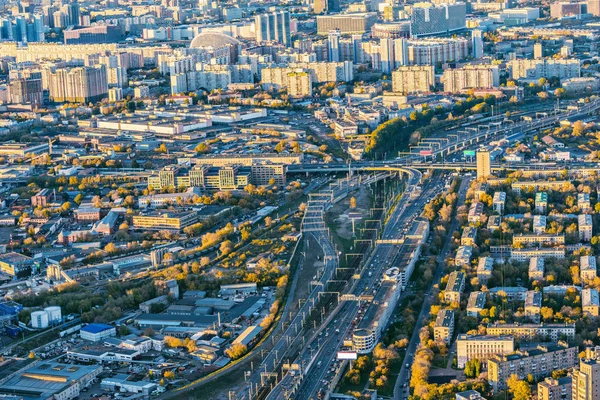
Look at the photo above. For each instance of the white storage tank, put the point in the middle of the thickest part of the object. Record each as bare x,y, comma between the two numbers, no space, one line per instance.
39,319
54,313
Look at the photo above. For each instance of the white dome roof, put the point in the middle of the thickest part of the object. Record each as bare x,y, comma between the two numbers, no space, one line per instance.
213,39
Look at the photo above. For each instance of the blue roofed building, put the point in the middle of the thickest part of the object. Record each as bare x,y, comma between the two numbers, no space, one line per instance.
97,332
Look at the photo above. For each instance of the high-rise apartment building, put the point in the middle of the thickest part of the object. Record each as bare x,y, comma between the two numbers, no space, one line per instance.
334,45
538,51
413,79
479,76
78,85
273,27
586,380
544,68
484,168
477,43
92,34
593,7
429,19
299,84
321,6
346,23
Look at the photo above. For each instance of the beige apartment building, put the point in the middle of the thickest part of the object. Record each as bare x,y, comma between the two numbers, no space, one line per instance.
413,79
539,362
482,347
443,328
481,76
552,332
455,286
555,389
586,380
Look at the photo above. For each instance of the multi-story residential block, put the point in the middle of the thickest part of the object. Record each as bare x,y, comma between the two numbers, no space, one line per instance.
585,225
555,389
583,202
526,254
541,202
540,332
429,19
443,328
533,305
539,224
544,68
476,303
478,76
432,51
512,293
78,85
468,236
485,267
413,79
482,347
587,268
538,362
346,23
273,27
455,286
499,201
544,239
299,84
536,269
590,302
463,256
585,385
248,160
165,221
475,212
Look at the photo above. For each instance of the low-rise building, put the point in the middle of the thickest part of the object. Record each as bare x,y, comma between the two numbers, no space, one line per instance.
482,347
543,252
165,221
531,332
583,202
469,395
463,256
121,383
587,268
494,223
485,267
533,305
16,264
539,224
97,332
475,212
476,304
539,240
443,328
590,302
455,286
512,293
498,202
541,202
539,362
49,380
585,227
468,236
536,269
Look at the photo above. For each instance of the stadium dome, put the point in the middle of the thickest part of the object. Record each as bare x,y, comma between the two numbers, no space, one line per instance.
213,39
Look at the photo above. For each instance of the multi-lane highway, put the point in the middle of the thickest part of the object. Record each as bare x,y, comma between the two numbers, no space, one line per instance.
317,358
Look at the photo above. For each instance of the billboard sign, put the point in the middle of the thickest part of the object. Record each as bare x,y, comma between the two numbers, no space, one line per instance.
469,153
347,355
425,152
